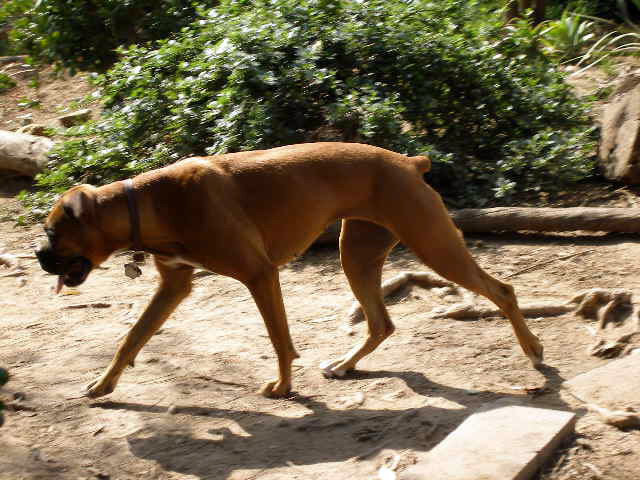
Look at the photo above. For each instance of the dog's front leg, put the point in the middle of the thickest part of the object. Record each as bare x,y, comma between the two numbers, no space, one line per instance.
175,285
265,289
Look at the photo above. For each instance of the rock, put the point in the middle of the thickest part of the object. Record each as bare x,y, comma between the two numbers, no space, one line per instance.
75,118
9,261
24,73
18,69
23,154
357,400
612,386
13,59
26,119
619,152
497,443
36,129
622,419
19,396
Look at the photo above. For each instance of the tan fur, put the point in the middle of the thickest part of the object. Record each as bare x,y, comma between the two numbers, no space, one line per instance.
244,214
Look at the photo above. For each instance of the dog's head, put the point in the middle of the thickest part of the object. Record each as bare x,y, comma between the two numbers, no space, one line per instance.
74,244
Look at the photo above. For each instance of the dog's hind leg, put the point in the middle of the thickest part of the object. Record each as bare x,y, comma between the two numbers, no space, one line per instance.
175,285
364,246
420,220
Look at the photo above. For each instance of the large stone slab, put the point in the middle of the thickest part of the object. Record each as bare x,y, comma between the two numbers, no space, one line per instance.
498,443
619,150
22,153
614,385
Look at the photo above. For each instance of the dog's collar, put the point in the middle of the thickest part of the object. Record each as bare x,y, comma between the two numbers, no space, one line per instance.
134,215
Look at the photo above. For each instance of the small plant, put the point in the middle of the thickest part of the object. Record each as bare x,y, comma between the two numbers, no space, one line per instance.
612,43
568,36
25,103
6,83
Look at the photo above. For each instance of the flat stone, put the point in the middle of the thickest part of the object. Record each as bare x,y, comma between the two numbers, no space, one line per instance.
75,118
499,442
614,385
12,59
619,149
22,153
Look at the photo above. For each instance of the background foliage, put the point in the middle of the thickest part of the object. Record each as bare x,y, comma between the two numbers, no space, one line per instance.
411,76
84,34
12,15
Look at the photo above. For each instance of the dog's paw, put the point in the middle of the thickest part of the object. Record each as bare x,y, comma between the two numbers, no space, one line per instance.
275,389
330,368
537,355
99,388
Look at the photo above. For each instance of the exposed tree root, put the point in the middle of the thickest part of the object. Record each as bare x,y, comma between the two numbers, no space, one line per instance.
605,306
464,311
425,280
617,418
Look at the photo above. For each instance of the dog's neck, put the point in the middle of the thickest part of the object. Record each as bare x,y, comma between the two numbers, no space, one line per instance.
159,245
114,220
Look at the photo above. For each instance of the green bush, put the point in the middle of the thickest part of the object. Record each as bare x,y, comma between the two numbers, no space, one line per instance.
12,13
84,34
6,83
411,76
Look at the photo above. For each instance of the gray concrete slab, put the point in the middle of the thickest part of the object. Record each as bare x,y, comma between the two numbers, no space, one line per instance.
614,385
497,443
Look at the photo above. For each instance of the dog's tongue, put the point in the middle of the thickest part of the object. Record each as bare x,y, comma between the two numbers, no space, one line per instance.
60,284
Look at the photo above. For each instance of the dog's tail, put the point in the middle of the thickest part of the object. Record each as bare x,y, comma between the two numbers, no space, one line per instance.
422,163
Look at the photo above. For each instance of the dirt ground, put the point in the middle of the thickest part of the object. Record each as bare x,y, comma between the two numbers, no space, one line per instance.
189,409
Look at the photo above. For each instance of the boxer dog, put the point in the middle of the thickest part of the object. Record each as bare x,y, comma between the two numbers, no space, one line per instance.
244,214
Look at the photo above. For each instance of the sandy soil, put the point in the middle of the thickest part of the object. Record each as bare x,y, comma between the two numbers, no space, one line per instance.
189,409
43,99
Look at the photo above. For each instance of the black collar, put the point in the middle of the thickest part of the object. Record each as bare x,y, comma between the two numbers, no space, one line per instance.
134,215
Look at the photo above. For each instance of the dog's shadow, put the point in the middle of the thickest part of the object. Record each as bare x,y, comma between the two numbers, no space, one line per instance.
323,436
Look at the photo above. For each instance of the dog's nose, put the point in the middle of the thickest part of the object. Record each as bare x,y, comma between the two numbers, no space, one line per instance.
48,259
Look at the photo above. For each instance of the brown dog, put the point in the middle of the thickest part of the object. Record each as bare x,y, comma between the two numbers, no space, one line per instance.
244,214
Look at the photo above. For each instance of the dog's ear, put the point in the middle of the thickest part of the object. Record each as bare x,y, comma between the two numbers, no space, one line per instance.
80,203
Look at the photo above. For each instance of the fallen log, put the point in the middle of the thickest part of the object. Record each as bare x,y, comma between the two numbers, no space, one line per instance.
513,219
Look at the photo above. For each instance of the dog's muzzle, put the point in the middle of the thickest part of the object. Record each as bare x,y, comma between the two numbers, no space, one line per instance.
73,270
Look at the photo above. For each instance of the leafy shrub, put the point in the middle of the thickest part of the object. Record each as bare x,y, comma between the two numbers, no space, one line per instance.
84,34
410,76
12,12
568,36
6,83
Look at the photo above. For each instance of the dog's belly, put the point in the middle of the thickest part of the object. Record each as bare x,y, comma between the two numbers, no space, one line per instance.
284,246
